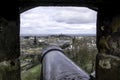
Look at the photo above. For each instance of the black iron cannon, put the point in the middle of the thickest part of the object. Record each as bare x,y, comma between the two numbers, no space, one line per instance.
56,66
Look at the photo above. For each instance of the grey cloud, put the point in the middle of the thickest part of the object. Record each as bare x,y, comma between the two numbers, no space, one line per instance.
55,20
76,17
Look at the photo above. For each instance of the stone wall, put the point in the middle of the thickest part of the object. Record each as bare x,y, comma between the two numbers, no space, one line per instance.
108,43
9,43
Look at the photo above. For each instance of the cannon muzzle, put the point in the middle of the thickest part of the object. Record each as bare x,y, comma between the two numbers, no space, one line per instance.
56,66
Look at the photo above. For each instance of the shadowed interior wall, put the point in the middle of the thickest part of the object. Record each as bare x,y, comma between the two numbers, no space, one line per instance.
9,43
108,43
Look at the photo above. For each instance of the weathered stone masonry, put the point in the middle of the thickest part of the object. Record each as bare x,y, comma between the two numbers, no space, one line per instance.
108,43
9,43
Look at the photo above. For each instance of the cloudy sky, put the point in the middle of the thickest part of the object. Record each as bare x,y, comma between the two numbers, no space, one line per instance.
58,20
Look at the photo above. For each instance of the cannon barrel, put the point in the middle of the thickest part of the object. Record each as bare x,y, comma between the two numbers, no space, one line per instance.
56,66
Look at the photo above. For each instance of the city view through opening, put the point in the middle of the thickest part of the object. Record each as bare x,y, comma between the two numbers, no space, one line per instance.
71,28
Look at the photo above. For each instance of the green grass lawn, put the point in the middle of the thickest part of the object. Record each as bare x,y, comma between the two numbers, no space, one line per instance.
31,74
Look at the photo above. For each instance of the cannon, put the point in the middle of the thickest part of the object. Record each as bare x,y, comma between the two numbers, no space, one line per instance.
56,66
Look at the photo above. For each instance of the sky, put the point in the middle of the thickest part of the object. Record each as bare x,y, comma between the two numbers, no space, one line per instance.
58,20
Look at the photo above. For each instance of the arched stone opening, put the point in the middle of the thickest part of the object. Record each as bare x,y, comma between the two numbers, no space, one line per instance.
77,14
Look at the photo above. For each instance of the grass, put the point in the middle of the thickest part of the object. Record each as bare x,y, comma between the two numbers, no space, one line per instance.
31,74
